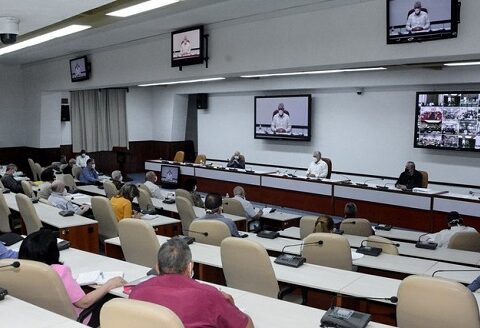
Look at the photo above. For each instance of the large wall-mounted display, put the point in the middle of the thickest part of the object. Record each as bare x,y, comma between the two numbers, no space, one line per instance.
448,121
187,46
413,20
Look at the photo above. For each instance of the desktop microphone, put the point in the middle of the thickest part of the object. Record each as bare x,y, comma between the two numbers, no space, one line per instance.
472,270
385,186
364,184
294,260
15,264
346,181
373,251
425,244
292,175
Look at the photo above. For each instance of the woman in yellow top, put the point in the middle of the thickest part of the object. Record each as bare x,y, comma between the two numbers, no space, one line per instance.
324,224
122,203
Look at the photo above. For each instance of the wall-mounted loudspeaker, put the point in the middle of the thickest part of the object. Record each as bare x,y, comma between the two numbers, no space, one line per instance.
65,113
202,100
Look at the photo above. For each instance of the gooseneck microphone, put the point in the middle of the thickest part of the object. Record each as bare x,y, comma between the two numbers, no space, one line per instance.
346,181
320,242
15,264
425,244
294,260
472,270
364,184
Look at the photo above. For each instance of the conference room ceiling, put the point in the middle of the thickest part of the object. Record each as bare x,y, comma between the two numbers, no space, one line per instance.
110,31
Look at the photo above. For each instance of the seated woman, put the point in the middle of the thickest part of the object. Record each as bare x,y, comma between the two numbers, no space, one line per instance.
41,246
455,224
324,224
47,177
191,186
122,203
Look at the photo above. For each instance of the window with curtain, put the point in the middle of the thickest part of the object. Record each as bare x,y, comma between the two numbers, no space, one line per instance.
99,119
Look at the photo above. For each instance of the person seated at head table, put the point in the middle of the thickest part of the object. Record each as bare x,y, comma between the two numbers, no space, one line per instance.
68,169
195,303
418,20
9,181
58,198
324,224
41,246
475,285
281,121
117,179
237,161
213,207
89,175
455,224
122,203
47,177
191,186
82,158
318,168
151,183
410,178
253,215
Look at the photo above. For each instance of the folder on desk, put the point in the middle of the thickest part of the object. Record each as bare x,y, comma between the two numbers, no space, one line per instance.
97,277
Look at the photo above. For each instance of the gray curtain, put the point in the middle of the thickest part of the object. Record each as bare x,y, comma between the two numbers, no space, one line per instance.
99,119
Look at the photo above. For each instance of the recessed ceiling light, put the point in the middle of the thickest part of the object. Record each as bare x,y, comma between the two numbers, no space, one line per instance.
71,29
329,71
182,82
141,7
463,64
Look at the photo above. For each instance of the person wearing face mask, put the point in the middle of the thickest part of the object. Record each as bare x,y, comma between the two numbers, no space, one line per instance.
195,303
82,158
410,178
418,20
58,198
150,183
9,181
89,175
281,121
117,179
318,168
237,161
191,186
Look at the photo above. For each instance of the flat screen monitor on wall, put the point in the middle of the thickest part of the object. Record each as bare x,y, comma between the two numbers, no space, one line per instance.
448,121
187,46
169,176
421,20
283,117
79,69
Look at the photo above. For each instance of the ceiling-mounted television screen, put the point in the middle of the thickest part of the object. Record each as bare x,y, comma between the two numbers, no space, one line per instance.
79,70
187,46
424,20
283,117
448,120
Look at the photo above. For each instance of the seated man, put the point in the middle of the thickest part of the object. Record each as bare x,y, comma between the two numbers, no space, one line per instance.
89,175
237,161
455,224
253,216
6,253
350,211
58,199
418,20
317,168
213,206
47,177
150,182
9,181
281,121
475,285
117,179
195,303
410,178
68,169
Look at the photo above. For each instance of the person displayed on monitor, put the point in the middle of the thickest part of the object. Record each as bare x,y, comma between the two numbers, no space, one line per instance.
317,168
455,224
410,178
237,161
281,120
477,141
185,47
417,20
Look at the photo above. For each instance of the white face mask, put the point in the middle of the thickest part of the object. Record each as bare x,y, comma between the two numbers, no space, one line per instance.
83,155
93,166
121,179
236,157
195,188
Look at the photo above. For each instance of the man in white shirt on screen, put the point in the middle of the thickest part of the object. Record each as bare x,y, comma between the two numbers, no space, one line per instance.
185,47
317,168
281,121
253,215
418,20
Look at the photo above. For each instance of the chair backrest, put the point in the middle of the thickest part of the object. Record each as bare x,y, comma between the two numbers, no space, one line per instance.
29,214
357,227
127,313
246,266
186,213
39,170
139,242
103,213
144,187
334,252
37,283
424,178
435,302
27,189
412,10
467,241
4,215
385,244
200,159
329,165
185,194
144,200
76,171
31,163
69,181
216,231
179,156
307,225
233,206
110,189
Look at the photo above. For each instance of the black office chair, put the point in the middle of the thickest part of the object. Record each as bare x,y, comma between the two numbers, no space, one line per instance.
425,10
276,111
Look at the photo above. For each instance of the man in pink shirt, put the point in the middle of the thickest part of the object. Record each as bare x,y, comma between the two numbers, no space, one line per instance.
197,305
